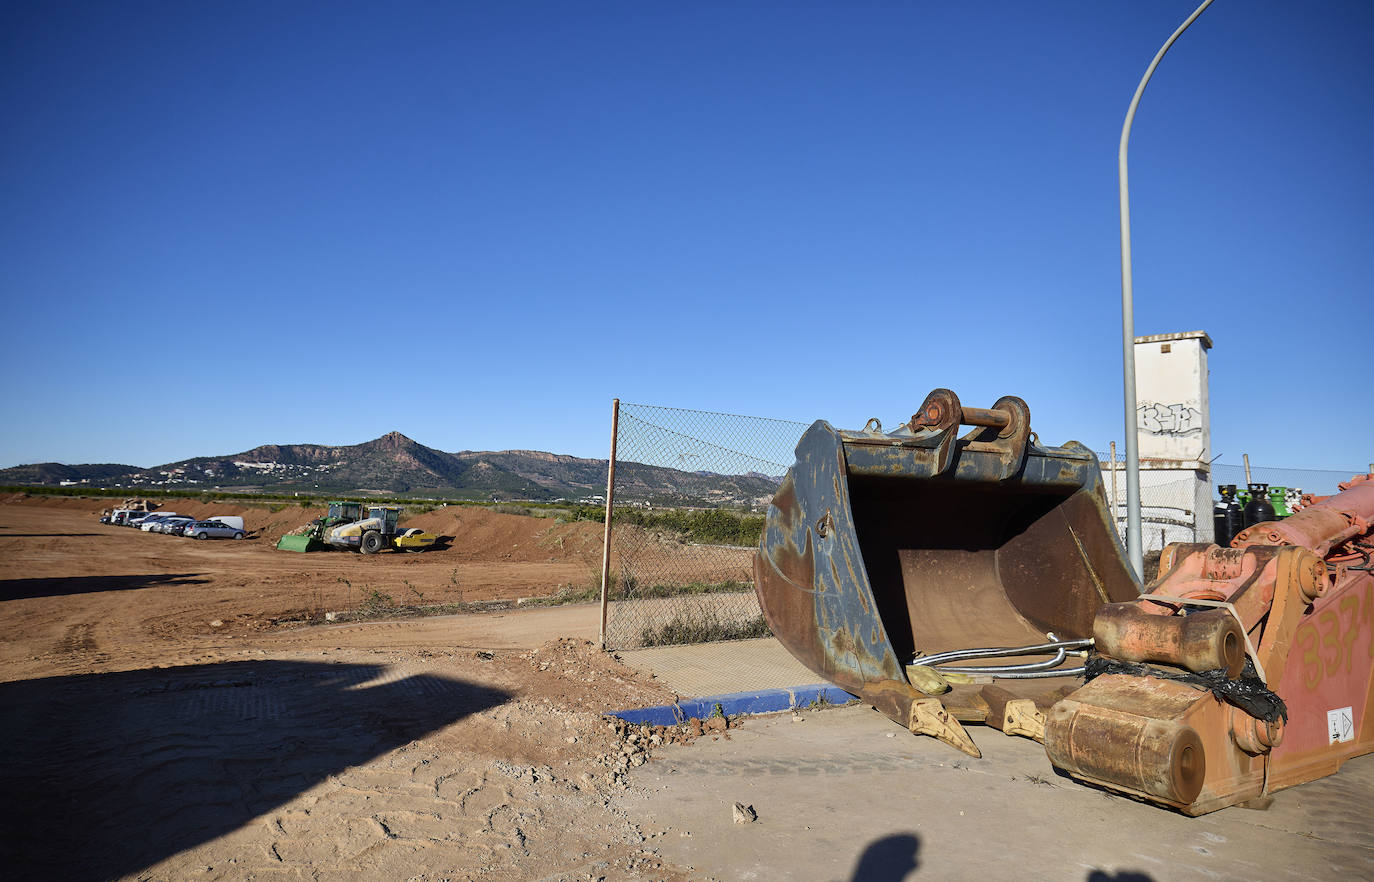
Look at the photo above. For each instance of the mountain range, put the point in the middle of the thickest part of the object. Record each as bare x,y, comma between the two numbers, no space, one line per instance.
395,465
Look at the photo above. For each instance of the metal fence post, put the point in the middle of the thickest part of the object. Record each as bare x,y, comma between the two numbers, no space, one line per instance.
610,503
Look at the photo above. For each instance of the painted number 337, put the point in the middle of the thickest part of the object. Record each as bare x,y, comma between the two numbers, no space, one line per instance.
1327,640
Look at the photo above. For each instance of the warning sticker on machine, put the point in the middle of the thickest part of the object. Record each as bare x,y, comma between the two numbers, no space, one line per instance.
1340,725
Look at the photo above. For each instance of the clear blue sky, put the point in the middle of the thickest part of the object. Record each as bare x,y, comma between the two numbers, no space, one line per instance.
477,223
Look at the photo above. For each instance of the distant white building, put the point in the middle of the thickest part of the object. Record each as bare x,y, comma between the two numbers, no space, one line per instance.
1174,434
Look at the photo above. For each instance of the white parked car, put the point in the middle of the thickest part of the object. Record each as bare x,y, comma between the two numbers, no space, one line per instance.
212,530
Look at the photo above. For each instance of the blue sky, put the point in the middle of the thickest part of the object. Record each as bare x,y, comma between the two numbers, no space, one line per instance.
478,223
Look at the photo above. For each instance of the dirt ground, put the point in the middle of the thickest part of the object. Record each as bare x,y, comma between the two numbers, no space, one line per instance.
166,716
89,576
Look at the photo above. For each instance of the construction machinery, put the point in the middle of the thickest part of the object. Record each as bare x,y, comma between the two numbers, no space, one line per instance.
352,526
379,530
950,579
311,537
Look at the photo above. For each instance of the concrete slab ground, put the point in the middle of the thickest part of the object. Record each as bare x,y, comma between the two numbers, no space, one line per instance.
846,794
704,669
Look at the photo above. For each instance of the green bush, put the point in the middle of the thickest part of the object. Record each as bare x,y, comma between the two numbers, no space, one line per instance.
709,526
587,513
377,602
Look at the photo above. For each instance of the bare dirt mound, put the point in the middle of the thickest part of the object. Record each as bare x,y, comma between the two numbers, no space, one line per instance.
480,533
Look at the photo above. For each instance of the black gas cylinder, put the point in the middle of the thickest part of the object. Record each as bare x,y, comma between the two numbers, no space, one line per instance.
1258,510
1227,517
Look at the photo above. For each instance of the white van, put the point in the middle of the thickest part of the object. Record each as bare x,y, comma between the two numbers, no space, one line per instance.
228,520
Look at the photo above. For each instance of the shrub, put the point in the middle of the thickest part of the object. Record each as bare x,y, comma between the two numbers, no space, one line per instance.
702,628
708,526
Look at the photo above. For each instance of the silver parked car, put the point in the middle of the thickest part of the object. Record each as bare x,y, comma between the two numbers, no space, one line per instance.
212,530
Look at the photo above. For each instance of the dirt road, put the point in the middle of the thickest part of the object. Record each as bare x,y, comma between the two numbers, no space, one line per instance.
164,720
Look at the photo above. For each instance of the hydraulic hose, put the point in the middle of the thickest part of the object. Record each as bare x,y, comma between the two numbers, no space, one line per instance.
1004,669
1025,671
1000,651
1041,675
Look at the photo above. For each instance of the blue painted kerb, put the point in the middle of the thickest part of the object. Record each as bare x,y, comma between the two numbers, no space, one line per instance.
764,702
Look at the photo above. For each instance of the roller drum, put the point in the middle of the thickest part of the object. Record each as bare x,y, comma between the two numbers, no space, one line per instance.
1159,759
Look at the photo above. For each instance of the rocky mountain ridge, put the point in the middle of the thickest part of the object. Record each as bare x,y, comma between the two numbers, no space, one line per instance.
397,465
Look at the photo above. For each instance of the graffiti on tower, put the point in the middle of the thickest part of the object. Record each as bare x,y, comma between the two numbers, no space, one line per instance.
1179,420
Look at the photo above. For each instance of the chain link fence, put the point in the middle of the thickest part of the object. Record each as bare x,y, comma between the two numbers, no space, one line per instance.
1318,482
692,488
1176,504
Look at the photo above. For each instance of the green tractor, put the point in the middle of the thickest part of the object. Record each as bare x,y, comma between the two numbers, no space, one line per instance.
312,539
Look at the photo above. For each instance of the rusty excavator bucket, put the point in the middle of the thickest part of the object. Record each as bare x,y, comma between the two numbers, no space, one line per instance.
891,563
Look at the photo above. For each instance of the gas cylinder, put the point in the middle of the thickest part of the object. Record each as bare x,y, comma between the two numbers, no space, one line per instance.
1258,509
1235,514
1227,519
1278,499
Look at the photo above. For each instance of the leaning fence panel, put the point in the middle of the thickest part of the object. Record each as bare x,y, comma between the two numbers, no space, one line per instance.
691,489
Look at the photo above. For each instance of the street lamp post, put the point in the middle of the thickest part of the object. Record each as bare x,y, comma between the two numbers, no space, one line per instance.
1133,548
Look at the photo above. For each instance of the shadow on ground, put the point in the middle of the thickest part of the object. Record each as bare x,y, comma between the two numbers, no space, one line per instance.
106,774
22,589
889,859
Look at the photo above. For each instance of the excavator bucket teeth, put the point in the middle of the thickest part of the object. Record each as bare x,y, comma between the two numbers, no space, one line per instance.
929,717
882,549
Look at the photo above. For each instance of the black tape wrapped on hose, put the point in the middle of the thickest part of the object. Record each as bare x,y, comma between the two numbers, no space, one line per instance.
1246,692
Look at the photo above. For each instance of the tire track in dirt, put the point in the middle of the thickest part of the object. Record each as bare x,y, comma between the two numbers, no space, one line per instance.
79,638
78,649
